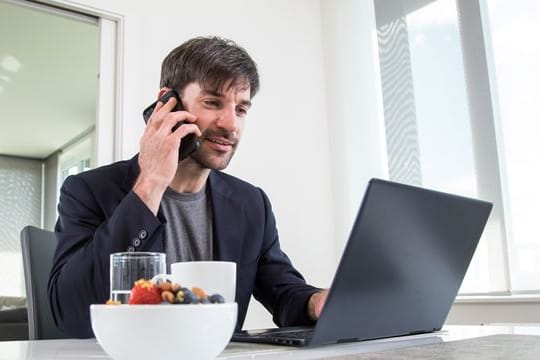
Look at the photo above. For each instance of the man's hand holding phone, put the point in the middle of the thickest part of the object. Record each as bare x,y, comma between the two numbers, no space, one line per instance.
158,156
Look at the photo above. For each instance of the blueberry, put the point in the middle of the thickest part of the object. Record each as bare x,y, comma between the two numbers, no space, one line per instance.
216,299
186,296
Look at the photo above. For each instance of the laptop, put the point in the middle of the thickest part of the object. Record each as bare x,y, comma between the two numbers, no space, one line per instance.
401,269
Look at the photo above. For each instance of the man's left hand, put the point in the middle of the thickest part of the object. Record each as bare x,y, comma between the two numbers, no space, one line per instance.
316,304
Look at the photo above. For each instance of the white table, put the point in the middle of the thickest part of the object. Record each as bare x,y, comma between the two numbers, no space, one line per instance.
443,344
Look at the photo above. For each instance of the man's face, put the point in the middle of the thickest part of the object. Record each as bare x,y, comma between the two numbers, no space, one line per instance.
221,118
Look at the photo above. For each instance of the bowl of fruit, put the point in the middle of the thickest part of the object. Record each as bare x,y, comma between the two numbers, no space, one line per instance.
164,320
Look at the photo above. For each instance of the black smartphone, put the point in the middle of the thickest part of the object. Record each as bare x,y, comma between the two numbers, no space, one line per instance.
189,143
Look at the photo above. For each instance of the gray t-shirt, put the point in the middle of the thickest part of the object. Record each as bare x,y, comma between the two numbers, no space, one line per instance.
188,230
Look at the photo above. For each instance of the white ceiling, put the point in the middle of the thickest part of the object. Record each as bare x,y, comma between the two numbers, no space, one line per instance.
48,80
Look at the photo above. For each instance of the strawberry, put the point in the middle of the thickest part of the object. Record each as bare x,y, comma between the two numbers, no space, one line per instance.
145,292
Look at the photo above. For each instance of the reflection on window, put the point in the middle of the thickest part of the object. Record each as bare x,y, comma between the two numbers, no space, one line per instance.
81,166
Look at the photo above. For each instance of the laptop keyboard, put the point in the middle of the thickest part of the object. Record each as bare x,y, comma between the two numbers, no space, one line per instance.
292,334
296,336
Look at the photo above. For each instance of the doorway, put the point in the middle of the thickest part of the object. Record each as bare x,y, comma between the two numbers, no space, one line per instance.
52,84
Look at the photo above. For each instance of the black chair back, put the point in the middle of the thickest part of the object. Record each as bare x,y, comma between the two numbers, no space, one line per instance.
38,248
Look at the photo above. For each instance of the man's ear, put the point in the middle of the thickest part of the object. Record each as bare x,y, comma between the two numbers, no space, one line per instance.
162,92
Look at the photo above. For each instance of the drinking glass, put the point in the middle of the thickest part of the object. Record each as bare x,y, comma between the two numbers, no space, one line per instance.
128,267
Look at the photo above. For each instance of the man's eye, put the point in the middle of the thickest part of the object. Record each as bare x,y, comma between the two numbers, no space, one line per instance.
241,111
212,103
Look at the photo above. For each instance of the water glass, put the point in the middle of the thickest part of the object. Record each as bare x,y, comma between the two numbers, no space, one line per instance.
128,267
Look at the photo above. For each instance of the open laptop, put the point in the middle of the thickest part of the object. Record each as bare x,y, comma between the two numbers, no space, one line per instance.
400,271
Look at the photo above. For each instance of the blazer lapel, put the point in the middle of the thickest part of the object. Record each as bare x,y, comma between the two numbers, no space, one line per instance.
228,220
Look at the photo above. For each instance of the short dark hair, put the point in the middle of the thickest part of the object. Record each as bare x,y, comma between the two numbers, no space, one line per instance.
213,62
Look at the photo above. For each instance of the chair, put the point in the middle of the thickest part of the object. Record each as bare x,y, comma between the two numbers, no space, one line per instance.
38,247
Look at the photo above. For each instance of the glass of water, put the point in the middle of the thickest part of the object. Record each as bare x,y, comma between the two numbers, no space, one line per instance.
128,267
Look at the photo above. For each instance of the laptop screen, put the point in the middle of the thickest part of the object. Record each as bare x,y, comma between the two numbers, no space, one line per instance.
406,256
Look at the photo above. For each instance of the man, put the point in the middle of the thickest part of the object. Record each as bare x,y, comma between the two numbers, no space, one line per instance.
188,209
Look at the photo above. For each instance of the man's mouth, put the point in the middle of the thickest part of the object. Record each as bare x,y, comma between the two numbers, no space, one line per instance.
220,141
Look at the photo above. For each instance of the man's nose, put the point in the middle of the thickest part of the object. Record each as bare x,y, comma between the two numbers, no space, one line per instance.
227,119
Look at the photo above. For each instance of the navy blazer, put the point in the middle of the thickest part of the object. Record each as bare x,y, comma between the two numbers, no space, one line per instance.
100,214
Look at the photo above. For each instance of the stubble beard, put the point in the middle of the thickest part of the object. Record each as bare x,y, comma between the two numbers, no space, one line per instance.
208,160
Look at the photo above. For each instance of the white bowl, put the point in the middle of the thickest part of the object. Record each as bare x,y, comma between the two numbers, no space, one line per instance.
196,331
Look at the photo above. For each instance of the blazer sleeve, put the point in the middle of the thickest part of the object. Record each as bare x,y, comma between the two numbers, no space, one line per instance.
278,285
90,227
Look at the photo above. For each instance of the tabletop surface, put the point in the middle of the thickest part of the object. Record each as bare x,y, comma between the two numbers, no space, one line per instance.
453,342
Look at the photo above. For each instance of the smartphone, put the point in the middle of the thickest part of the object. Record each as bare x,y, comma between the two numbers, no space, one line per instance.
189,143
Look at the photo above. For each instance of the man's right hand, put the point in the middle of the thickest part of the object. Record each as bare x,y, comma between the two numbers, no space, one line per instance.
158,156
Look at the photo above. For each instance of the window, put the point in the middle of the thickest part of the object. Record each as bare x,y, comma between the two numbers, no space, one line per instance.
514,27
20,205
76,158
443,129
